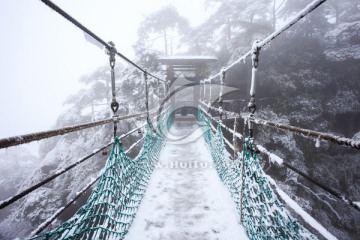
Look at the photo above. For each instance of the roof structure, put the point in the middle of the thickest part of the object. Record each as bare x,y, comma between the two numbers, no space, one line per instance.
187,60
187,63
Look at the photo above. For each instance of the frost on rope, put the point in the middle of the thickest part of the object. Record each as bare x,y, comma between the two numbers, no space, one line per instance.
263,215
272,157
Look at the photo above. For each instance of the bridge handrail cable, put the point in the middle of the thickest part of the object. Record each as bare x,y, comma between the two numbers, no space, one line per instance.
96,37
25,192
48,221
26,138
297,130
279,160
308,9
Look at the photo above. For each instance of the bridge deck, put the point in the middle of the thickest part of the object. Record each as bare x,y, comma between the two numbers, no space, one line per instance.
185,197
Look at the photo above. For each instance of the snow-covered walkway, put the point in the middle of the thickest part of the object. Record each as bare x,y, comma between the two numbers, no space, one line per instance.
185,198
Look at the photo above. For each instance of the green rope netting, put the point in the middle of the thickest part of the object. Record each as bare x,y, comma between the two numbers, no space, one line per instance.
229,171
113,204
262,214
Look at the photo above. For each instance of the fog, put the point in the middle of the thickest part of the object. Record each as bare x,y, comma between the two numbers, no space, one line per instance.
44,55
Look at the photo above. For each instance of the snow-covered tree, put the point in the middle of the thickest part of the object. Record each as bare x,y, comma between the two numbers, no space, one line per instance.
159,24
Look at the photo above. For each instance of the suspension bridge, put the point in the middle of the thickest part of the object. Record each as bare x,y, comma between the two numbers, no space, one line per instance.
195,202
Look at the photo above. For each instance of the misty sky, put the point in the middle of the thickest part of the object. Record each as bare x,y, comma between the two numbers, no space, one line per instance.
43,55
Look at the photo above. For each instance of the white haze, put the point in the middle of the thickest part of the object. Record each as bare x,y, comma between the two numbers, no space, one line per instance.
43,55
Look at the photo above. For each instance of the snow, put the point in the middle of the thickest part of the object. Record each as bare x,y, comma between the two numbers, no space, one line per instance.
239,136
93,41
17,163
134,144
229,144
272,157
344,101
356,137
343,53
308,9
187,201
340,36
189,57
307,218
357,204
48,221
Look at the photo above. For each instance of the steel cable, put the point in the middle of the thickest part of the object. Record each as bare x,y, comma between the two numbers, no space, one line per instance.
93,35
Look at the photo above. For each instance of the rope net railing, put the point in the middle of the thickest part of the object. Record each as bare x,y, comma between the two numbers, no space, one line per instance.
261,212
251,120
297,130
152,115
112,205
274,158
12,141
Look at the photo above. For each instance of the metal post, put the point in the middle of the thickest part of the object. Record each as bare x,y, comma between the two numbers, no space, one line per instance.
235,139
252,108
222,78
146,94
147,101
111,51
209,102
204,99
252,104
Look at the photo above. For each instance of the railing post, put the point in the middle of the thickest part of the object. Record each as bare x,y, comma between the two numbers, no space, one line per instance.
146,94
147,101
201,90
209,102
235,139
252,104
204,95
252,108
222,78
111,51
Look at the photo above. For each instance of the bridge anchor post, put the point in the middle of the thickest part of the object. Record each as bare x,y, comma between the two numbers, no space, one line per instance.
111,51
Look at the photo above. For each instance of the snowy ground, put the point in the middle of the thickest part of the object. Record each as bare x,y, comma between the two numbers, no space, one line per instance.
185,198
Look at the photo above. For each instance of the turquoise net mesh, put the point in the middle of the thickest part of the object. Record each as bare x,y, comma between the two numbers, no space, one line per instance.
262,214
113,204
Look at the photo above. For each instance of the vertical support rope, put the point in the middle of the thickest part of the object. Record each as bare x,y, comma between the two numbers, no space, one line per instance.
201,90
209,102
146,94
252,108
147,101
111,51
252,104
242,163
235,139
157,90
204,95
241,186
222,78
